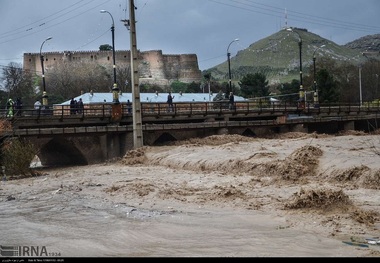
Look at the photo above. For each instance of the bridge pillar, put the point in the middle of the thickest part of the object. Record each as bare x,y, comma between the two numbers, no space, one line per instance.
350,125
111,146
128,139
117,145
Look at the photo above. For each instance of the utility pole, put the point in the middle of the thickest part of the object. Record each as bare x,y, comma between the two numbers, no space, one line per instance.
136,103
229,68
301,101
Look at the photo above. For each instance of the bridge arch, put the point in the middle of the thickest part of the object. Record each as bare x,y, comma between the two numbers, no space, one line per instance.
78,149
163,138
60,152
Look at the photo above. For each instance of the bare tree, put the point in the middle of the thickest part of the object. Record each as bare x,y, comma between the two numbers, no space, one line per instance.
124,78
68,79
12,77
18,83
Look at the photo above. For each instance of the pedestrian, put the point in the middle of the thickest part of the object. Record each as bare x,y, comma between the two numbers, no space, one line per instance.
72,106
37,106
231,101
10,108
170,102
129,107
18,106
75,106
80,106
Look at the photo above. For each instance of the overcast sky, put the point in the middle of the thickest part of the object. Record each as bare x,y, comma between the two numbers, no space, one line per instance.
201,27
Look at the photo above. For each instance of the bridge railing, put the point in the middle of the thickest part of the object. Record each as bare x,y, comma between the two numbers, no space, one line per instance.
148,108
104,110
211,107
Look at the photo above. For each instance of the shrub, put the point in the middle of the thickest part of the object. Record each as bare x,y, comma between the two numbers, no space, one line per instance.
17,154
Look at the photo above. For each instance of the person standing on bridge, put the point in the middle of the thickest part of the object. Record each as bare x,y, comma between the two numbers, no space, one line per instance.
72,106
80,106
170,102
10,108
231,101
37,106
129,106
18,106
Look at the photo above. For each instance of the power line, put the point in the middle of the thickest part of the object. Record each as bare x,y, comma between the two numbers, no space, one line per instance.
38,23
44,26
278,12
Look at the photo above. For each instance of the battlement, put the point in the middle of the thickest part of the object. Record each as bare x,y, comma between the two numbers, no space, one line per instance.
162,68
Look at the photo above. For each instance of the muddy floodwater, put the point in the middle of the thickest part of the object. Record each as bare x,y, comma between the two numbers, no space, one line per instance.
83,227
220,197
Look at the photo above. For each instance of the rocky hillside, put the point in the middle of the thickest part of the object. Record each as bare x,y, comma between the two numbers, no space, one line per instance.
370,43
277,56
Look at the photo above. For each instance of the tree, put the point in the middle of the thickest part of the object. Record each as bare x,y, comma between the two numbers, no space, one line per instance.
347,79
290,90
327,87
16,156
370,79
254,85
124,81
17,84
193,87
105,47
70,79
177,86
207,80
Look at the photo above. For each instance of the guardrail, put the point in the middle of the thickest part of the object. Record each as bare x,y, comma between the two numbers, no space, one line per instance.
104,110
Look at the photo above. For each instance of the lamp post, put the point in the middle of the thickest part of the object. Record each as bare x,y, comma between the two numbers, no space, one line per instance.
44,94
316,98
229,66
360,86
115,89
301,91
377,85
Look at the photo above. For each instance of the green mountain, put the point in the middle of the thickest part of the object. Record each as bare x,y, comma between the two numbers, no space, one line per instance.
277,56
370,43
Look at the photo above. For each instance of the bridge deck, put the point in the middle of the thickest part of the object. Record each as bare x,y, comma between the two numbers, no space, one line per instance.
186,115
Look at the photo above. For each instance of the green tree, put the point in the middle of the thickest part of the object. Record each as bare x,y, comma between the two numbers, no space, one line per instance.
347,77
177,86
105,47
290,88
327,87
16,156
193,87
290,91
254,85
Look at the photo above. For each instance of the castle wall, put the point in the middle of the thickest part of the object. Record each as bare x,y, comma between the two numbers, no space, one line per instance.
154,67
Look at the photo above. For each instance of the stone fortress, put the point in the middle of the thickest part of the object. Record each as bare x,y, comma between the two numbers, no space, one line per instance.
154,67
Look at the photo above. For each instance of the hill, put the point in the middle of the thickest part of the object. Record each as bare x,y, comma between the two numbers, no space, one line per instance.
277,56
369,43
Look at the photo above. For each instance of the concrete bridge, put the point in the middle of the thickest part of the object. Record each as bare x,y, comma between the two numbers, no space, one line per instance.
95,136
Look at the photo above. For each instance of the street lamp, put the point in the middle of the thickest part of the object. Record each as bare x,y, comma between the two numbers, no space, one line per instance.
301,91
115,89
44,94
377,85
229,66
360,86
316,98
